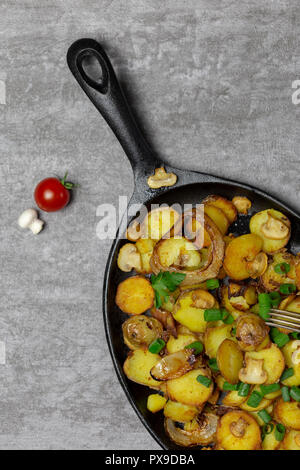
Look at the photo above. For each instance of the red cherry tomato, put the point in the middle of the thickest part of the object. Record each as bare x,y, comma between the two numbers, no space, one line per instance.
52,194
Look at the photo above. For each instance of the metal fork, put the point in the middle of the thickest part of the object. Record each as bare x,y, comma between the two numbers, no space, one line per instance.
284,319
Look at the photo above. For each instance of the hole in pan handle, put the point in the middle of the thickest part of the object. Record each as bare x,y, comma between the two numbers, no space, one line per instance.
93,71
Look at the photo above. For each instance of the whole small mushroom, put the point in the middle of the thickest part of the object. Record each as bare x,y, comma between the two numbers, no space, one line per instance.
29,219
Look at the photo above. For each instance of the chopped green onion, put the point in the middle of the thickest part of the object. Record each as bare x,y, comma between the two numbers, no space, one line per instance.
267,429
287,373
295,393
295,335
275,299
156,346
285,393
233,331
230,387
228,320
254,399
279,432
197,346
212,314
264,302
282,268
203,380
266,389
243,390
213,364
279,338
264,415
287,289
212,284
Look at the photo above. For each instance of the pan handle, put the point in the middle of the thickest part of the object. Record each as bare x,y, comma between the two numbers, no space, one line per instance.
106,94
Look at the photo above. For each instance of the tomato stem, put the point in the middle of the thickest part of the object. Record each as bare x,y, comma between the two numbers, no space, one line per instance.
68,184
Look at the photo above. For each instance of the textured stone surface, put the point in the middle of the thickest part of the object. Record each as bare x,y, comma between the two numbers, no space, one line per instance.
210,81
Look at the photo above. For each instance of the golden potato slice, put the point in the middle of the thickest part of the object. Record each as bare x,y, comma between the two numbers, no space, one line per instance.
155,402
176,344
218,217
214,336
178,252
138,365
230,360
189,316
158,222
287,413
270,442
241,250
272,280
273,362
261,220
263,404
224,204
135,295
238,430
180,412
289,355
233,399
291,440
188,390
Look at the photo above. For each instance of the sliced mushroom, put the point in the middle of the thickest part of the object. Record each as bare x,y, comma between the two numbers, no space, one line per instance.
139,331
242,204
134,232
129,258
166,319
203,299
258,265
174,365
253,372
274,229
161,178
238,428
251,331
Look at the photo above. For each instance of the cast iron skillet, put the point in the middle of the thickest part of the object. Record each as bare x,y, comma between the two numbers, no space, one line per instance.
105,93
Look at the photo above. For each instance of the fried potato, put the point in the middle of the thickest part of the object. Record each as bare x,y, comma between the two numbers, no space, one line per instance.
188,390
224,204
233,399
158,222
291,440
180,412
230,360
176,344
272,280
270,442
274,224
288,350
178,252
214,336
138,365
238,430
241,250
287,413
226,303
218,217
155,402
189,316
273,362
263,404
135,295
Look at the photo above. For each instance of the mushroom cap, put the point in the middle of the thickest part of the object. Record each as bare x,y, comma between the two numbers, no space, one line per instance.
27,217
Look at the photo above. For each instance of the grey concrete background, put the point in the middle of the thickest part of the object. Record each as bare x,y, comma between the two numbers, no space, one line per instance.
211,82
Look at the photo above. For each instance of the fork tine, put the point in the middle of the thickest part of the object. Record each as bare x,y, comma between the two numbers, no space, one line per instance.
276,325
283,322
285,317
286,313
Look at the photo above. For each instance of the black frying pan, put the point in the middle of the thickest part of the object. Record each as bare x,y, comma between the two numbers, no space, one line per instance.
191,188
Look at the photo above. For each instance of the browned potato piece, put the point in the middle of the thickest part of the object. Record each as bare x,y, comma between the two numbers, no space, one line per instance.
291,440
240,251
180,412
188,390
291,352
238,430
173,365
135,295
270,442
272,280
233,399
230,360
139,331
242,204
263,404
226,303
251,331
225,205
158,222
218,217
188,315
138,365
214,336
182,340
273,362
273,227
287,413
